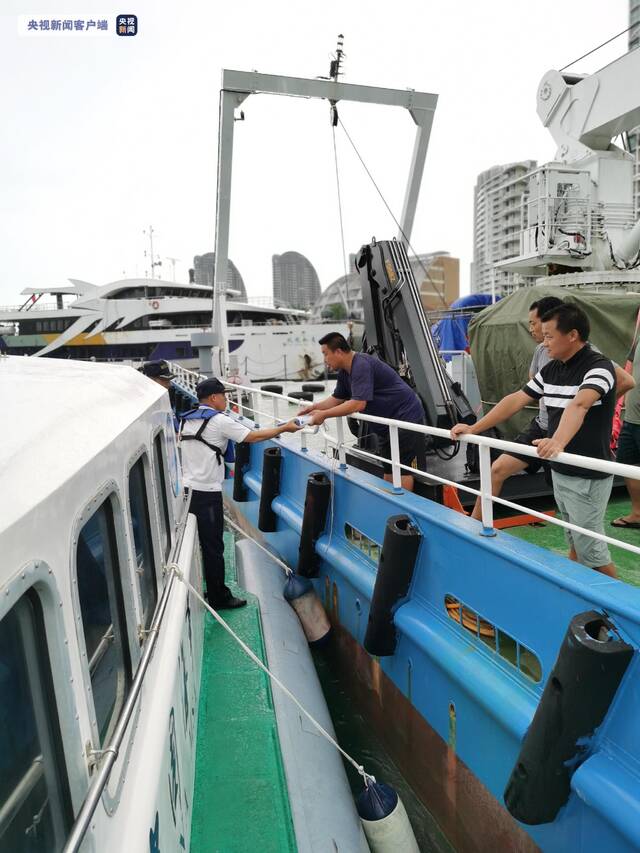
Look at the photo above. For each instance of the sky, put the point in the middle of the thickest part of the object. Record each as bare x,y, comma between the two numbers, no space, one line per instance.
103,137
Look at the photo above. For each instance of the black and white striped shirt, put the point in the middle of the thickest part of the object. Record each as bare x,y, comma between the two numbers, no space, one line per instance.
558,383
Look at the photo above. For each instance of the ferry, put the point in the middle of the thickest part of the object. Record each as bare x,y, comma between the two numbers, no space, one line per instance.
141,319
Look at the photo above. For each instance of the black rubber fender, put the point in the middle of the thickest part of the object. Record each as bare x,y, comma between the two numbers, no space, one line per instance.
314,519
575,701
395,572
272,460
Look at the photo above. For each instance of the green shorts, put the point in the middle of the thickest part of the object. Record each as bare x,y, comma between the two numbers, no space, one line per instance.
583,502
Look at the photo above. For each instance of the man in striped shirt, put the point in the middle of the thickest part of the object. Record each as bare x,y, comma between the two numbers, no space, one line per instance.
578,387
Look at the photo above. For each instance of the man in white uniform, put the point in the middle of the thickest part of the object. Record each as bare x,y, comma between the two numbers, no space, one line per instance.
203,449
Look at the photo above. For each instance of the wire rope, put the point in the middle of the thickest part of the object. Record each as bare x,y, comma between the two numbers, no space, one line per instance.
608,41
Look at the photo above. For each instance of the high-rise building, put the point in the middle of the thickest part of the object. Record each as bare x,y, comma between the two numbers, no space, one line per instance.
634,135
634,23
203,273
295,281
497,223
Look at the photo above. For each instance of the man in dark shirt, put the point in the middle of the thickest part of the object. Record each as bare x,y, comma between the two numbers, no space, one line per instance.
578,387
368,385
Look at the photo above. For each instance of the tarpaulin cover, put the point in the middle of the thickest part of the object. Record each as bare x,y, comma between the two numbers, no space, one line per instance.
501,346
451,333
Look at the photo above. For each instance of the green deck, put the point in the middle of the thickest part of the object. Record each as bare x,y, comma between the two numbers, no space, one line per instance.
552,537
241,803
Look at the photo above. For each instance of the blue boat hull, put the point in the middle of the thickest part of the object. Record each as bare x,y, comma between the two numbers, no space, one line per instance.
453,707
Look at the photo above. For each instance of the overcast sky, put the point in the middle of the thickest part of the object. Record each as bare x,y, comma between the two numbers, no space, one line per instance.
102,137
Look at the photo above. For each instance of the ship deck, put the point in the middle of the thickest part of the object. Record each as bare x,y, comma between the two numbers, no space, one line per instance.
240,801
552,537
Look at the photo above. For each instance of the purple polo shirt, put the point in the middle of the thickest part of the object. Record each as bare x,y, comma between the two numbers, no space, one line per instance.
387,395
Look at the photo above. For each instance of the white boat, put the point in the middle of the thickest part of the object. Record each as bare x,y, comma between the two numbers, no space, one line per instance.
104,742
140,319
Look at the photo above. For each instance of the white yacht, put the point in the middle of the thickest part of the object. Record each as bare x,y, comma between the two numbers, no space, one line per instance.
139,319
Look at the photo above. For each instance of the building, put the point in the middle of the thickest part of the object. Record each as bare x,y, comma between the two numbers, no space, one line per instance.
295,281
634,23
439,280
437,275
634,135
203,273
497,222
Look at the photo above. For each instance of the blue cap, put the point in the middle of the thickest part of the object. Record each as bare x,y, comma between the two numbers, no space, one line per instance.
208,387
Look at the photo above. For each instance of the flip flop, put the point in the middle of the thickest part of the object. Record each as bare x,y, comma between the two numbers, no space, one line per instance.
630,525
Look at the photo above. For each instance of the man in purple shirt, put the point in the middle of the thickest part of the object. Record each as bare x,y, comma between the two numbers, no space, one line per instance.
368,385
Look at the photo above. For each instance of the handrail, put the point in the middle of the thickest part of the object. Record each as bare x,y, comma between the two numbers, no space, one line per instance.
485,444
111,751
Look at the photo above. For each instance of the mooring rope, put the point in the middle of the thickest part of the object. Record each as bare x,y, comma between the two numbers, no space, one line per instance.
275,559
367,777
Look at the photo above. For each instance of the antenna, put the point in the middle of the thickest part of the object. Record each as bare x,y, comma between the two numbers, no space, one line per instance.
334,67
173,266
154,263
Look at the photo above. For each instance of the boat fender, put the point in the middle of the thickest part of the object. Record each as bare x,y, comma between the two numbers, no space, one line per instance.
314,387
243,461
301,595
274,389
302,395
395,571
270,488
385,821
586,675
314,519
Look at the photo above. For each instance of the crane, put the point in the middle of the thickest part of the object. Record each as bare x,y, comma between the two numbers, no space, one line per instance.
578,211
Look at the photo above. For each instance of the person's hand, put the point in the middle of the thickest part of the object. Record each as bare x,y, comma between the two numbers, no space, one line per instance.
548,447
318,418
307,410
291,426
461,429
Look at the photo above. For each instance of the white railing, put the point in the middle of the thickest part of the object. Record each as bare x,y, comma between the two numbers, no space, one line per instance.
485,444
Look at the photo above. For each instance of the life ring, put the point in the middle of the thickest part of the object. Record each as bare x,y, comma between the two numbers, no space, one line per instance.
155,304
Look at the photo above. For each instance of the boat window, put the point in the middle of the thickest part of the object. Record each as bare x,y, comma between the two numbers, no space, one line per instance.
35,809
140,522
161,491
103,620
365,545
502,644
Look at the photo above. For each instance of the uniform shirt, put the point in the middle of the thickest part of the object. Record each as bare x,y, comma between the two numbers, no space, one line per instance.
558,383
200,467
386,394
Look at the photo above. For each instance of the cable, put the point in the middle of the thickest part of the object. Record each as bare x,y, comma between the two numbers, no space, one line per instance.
584,55
367,777
384,201
288,569
344,251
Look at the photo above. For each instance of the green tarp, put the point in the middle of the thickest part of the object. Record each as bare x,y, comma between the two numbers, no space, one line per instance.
501,345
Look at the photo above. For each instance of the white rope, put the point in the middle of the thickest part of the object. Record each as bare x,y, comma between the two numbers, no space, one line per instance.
367,777
242,532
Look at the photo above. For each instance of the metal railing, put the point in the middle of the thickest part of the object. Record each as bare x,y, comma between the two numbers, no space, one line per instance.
485,444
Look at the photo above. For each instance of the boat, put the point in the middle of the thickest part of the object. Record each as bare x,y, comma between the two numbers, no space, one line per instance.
472,653
131,720
142,319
